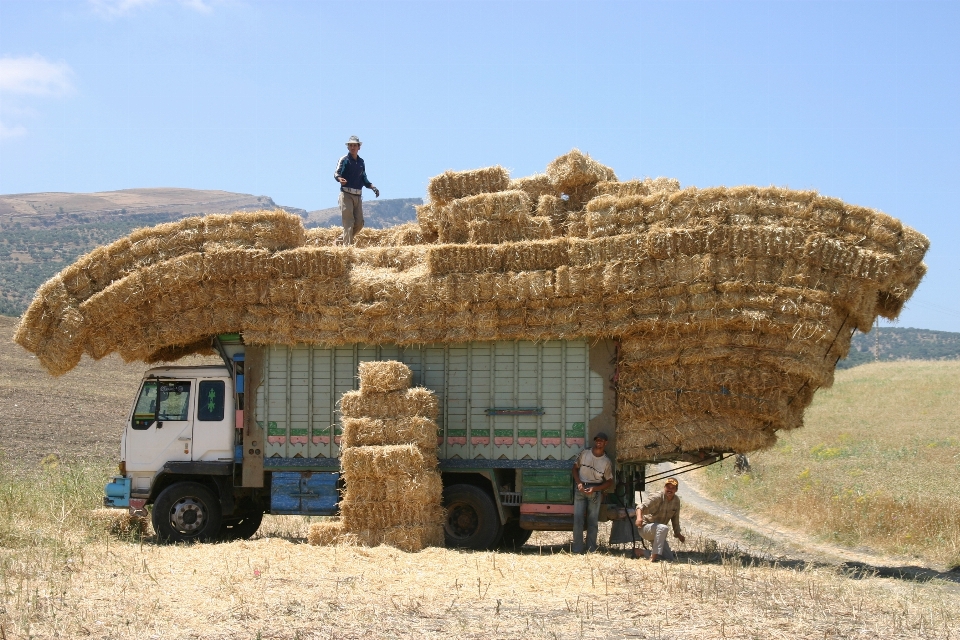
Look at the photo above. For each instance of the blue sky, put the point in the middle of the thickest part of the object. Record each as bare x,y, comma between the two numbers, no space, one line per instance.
859,100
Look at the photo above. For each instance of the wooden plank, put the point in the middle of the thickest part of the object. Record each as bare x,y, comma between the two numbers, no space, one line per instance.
253,440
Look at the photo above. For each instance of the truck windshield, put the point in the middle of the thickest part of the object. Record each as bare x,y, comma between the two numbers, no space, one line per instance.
174,402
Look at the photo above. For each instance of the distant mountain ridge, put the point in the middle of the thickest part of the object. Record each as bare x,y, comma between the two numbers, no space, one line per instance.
377,214
41,233
899,343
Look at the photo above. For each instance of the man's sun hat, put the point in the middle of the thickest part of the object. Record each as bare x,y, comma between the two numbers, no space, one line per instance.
354,140
672,482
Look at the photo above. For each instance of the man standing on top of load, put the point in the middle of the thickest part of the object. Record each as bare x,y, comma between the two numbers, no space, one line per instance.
592,474
653,516
352,175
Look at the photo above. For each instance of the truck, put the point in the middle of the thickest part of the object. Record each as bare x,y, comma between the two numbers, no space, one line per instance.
213,448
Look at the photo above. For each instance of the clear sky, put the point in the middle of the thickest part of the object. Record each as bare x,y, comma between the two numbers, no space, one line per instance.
859,100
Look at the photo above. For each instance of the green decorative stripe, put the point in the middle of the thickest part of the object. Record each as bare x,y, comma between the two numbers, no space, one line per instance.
550,433
576,429
273,430
526,433
298,432
503,433
456,432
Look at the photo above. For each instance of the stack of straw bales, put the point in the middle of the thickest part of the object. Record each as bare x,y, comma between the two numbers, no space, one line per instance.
732,304
389,464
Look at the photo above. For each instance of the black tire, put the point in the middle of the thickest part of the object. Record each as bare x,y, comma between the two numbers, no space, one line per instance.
241,528
186,512
472,519
514,537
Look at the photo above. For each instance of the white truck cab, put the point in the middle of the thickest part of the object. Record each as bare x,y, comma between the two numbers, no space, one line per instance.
193,422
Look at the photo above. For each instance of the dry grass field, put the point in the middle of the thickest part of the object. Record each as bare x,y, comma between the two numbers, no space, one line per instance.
877,464
63,576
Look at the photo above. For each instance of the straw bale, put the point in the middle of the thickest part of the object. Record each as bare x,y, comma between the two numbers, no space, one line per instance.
382,515
576,169
511,256
325,533
535,186
408,538
422,489
382,376
118,522
359,432
418,402
645,187
322,236
452,185
381,462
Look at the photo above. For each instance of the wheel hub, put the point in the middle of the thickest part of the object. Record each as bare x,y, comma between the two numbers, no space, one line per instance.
462,520
187,515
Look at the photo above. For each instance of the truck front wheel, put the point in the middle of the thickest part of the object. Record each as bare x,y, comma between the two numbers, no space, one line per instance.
472,519
186,512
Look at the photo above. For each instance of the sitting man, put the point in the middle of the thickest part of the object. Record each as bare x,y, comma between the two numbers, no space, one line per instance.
652,518
592,474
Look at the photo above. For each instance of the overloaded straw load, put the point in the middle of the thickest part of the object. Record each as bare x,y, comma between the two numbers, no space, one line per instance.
389,464
732,305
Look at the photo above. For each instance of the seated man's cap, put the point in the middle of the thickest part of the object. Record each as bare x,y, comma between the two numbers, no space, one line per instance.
601,436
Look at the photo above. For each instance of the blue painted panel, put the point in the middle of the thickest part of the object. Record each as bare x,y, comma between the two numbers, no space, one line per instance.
285,492
239,383
117,493
304,493
319,494
302,463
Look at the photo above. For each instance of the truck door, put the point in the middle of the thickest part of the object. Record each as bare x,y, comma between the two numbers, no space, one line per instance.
213,430
158,436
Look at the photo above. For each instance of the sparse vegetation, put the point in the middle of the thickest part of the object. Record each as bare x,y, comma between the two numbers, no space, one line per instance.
62,577
878,464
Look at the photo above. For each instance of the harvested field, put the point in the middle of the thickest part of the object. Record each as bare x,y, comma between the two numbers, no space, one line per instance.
732,305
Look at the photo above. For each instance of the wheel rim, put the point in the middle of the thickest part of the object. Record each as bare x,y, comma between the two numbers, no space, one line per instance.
188,515
462,521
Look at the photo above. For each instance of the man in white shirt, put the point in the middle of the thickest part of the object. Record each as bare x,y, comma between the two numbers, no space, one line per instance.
592,474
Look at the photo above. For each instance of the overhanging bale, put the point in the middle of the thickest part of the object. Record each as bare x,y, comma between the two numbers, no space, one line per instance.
418,431
382,376
451,185
699,282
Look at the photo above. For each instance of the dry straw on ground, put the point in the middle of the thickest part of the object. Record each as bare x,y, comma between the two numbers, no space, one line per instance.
732,305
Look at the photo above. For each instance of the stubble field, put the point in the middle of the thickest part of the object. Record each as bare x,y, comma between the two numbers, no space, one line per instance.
63,576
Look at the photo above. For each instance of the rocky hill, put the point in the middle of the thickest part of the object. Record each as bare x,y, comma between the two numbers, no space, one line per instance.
378,214
897,343
40,233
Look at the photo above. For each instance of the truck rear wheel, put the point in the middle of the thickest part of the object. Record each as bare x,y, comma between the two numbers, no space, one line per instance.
514,537
241,528
186,512
472,519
